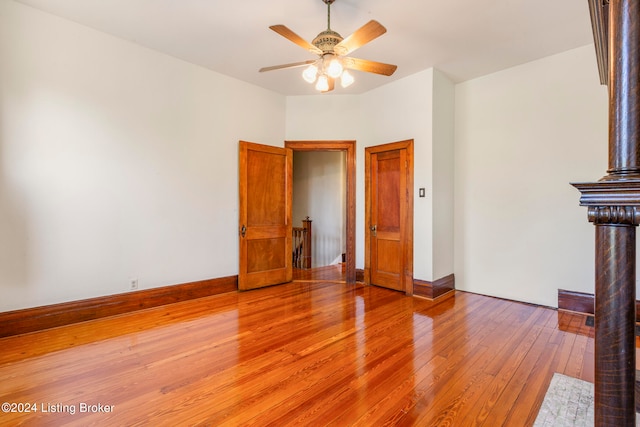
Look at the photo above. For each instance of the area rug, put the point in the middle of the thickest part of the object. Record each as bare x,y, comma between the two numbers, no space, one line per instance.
568,402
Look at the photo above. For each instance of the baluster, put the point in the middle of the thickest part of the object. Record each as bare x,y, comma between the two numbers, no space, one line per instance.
306,225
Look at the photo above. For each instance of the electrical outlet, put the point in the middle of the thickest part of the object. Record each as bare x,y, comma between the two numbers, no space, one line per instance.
133,284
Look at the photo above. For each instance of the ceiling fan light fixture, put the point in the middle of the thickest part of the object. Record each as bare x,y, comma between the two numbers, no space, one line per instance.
310,73
322,84
346,79
334,69
333,54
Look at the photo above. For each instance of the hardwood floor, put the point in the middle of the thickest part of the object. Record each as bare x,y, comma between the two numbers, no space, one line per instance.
304,353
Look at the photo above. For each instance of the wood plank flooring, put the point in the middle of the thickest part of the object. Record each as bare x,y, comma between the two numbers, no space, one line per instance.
305,353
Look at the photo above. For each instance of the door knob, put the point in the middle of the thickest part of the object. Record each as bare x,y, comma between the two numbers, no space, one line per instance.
374,229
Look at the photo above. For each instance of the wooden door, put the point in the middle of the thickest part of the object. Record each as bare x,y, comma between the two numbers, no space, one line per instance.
389,216
265,215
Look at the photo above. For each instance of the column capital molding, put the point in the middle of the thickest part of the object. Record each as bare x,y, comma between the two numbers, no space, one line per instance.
610,192
614,215
611,201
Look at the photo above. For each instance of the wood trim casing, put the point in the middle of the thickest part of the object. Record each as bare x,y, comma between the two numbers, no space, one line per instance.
50,316
348,146
578,302
433,290
581,302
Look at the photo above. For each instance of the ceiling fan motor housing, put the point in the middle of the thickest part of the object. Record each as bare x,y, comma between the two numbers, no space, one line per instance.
327,40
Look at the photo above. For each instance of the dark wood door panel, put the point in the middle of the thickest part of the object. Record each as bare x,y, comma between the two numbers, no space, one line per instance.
266,180
389,265
265,254
387,181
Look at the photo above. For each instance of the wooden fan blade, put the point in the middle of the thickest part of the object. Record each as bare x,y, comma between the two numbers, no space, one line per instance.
288,34
332,84
292,65
363,35
369,66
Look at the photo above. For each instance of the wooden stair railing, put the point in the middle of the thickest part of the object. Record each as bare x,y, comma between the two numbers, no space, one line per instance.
299,236
302,245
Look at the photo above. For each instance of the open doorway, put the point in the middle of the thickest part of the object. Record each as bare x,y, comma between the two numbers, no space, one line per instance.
345,151
319,209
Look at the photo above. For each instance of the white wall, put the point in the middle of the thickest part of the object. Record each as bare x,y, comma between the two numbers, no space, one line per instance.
335,117
115,162
522,135
119,162
396,112
319,191
443,176
401,110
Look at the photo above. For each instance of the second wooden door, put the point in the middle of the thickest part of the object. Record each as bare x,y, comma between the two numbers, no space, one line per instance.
389,216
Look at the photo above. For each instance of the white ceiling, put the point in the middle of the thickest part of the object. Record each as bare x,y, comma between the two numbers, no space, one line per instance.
463,38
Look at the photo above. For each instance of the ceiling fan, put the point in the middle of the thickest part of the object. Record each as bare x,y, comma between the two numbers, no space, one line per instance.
332,50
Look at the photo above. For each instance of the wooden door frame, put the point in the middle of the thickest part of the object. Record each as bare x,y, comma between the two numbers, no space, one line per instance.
348,146
407,239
